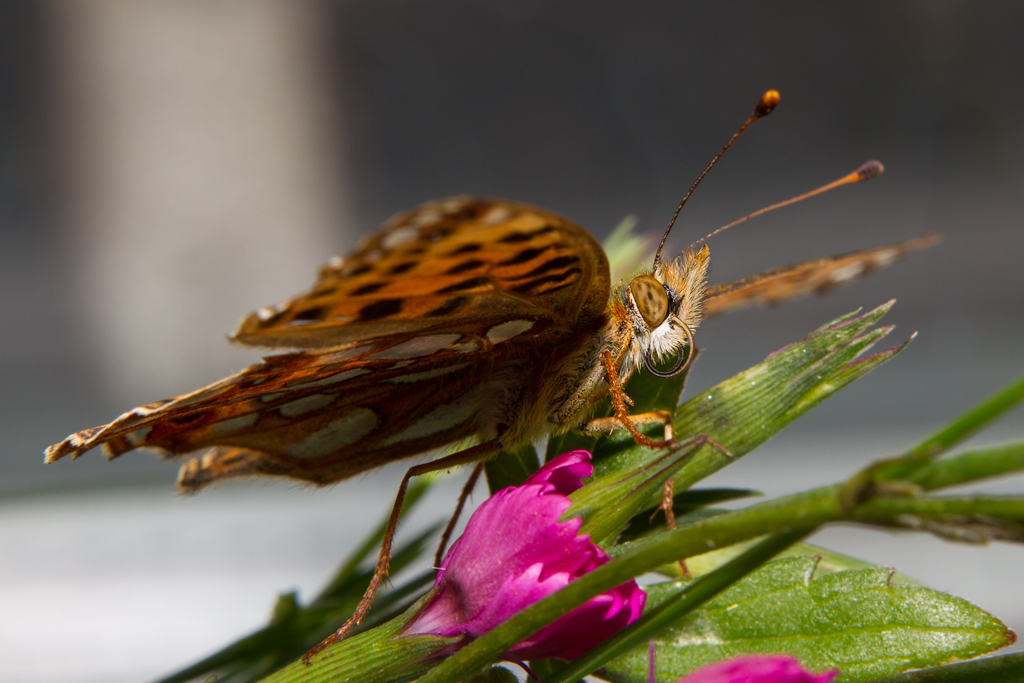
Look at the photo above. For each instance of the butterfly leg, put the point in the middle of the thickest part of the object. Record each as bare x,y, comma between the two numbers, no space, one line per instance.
470,455
667,501
629,422
463,496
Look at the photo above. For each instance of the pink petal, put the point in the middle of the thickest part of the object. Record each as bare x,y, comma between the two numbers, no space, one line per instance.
514,552
758,669
565,472
585,627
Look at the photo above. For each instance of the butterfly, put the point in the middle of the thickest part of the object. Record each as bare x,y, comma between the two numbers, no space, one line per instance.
465,324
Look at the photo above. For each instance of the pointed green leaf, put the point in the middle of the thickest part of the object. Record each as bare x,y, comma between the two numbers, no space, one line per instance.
1005,669
854,620
748,409
380,655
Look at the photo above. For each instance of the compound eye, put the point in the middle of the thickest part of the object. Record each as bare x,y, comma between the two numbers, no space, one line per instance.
651,299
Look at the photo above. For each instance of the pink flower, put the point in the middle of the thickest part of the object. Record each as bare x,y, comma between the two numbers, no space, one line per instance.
758,669
514,552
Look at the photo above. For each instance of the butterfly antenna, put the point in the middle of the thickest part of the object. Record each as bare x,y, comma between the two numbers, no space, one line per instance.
764,107
866,171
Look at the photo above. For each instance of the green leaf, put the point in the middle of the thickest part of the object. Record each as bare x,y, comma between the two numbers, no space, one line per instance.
379,655
1005,669
854,620
511,468
828,561
495,674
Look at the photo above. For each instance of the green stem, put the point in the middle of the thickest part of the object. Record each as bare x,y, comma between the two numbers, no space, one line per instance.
969,422
983,463
1008,508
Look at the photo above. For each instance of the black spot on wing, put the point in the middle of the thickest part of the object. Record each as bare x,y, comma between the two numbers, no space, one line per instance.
189,417
359,270
367,289
400,268
560,279
514,237
311,314
450,306
380,309
548,266
472,283
466,249
464,266
524,256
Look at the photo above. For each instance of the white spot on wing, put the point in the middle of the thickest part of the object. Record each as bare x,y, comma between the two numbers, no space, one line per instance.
138,436
305,404
426,217
453,205
419,346
437,420
468,347
506,331
847,272
234,424
344,431
497,214
886,258
399,236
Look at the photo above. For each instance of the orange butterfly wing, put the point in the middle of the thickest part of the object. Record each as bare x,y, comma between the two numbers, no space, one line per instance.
400,359
444,262
811,277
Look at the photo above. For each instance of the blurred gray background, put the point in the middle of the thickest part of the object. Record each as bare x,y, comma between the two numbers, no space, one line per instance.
166,167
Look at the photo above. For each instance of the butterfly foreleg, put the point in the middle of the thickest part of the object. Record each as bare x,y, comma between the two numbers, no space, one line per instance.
464,457
622,416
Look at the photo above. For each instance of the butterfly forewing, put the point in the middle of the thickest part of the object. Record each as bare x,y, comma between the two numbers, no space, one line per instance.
811,277
442,264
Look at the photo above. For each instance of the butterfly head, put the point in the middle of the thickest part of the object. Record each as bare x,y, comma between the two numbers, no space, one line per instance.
664,307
